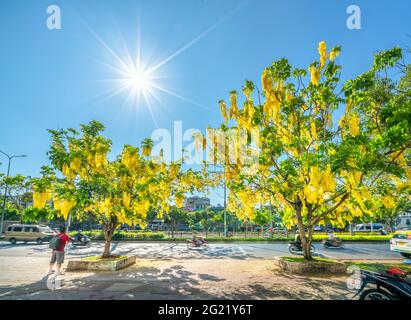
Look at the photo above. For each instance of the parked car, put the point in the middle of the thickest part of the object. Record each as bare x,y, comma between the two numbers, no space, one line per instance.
156,225
319,228
183,227
368,227
401,242
27,232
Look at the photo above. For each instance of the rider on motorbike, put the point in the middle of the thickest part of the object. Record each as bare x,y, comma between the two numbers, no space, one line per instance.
78,236
297,239
332,240
198,241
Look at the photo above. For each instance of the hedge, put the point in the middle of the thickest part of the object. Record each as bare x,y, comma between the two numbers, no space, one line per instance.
124,236
162,236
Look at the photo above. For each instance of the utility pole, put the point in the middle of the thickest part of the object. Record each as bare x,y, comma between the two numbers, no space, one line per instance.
225,206
225,198
6,188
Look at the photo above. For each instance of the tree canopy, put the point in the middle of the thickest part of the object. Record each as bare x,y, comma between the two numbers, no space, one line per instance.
315,166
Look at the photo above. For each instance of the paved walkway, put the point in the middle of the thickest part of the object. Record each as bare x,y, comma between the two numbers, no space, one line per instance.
172,271
177,279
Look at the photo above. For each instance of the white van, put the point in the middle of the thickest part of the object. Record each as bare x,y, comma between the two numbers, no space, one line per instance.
28,232
368,227
403,222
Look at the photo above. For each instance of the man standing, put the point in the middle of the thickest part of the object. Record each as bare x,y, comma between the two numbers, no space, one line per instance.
58,244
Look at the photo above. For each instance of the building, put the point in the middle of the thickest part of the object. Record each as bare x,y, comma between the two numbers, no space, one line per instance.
196,203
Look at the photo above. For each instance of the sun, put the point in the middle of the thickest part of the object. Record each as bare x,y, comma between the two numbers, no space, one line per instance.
138,80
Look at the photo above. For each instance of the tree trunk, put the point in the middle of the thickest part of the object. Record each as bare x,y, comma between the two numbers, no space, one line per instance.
108,235
172,230
306,237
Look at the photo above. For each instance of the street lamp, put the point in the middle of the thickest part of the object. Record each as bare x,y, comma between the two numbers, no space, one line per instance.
6,189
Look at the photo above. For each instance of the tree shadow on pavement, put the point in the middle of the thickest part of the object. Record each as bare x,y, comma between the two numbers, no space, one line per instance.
175,282
142,283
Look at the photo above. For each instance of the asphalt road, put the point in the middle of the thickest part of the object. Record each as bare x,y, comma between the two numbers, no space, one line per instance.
161,250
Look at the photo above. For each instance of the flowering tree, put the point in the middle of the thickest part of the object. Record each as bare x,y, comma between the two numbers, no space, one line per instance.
115,192
18,194
314,169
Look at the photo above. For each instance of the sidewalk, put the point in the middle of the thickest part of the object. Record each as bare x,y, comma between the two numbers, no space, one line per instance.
170,279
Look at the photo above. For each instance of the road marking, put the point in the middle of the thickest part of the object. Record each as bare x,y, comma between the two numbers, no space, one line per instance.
123,287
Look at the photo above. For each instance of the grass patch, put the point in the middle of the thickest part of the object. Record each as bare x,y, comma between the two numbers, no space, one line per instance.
302,260
348,238
97,235
99,258
379,267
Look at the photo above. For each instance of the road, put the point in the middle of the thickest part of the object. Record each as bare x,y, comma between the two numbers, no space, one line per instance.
160,250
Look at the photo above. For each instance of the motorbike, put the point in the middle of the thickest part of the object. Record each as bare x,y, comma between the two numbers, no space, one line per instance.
333,244
392,285
81,241
199,243
296,248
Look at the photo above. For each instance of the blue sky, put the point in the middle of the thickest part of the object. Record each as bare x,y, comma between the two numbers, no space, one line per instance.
53,78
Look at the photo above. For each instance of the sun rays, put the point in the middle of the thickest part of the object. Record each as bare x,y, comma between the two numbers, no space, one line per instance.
140,84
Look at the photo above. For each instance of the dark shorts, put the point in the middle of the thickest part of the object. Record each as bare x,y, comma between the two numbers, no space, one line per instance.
57,256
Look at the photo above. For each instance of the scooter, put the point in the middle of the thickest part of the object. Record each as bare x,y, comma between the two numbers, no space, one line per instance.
393,285
82,241
333,244
297,249
197,244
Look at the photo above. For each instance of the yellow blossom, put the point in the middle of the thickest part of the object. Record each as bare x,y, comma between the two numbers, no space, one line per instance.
322,49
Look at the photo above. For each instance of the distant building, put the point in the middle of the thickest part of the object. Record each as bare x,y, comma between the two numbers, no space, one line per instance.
196,203
218,208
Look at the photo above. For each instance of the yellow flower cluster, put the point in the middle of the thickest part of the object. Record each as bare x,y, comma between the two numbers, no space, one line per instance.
75,164
314,71
200,142
100,160
233,111
321,183
334,54
223,109
179,200
146,151
68,172
141,207
273,103
315,75
354,124
388,201
322,50
64,206
40,199
96,161
105,207
353,120
313,130
353,179
245,204
174,170
126,200
129,159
